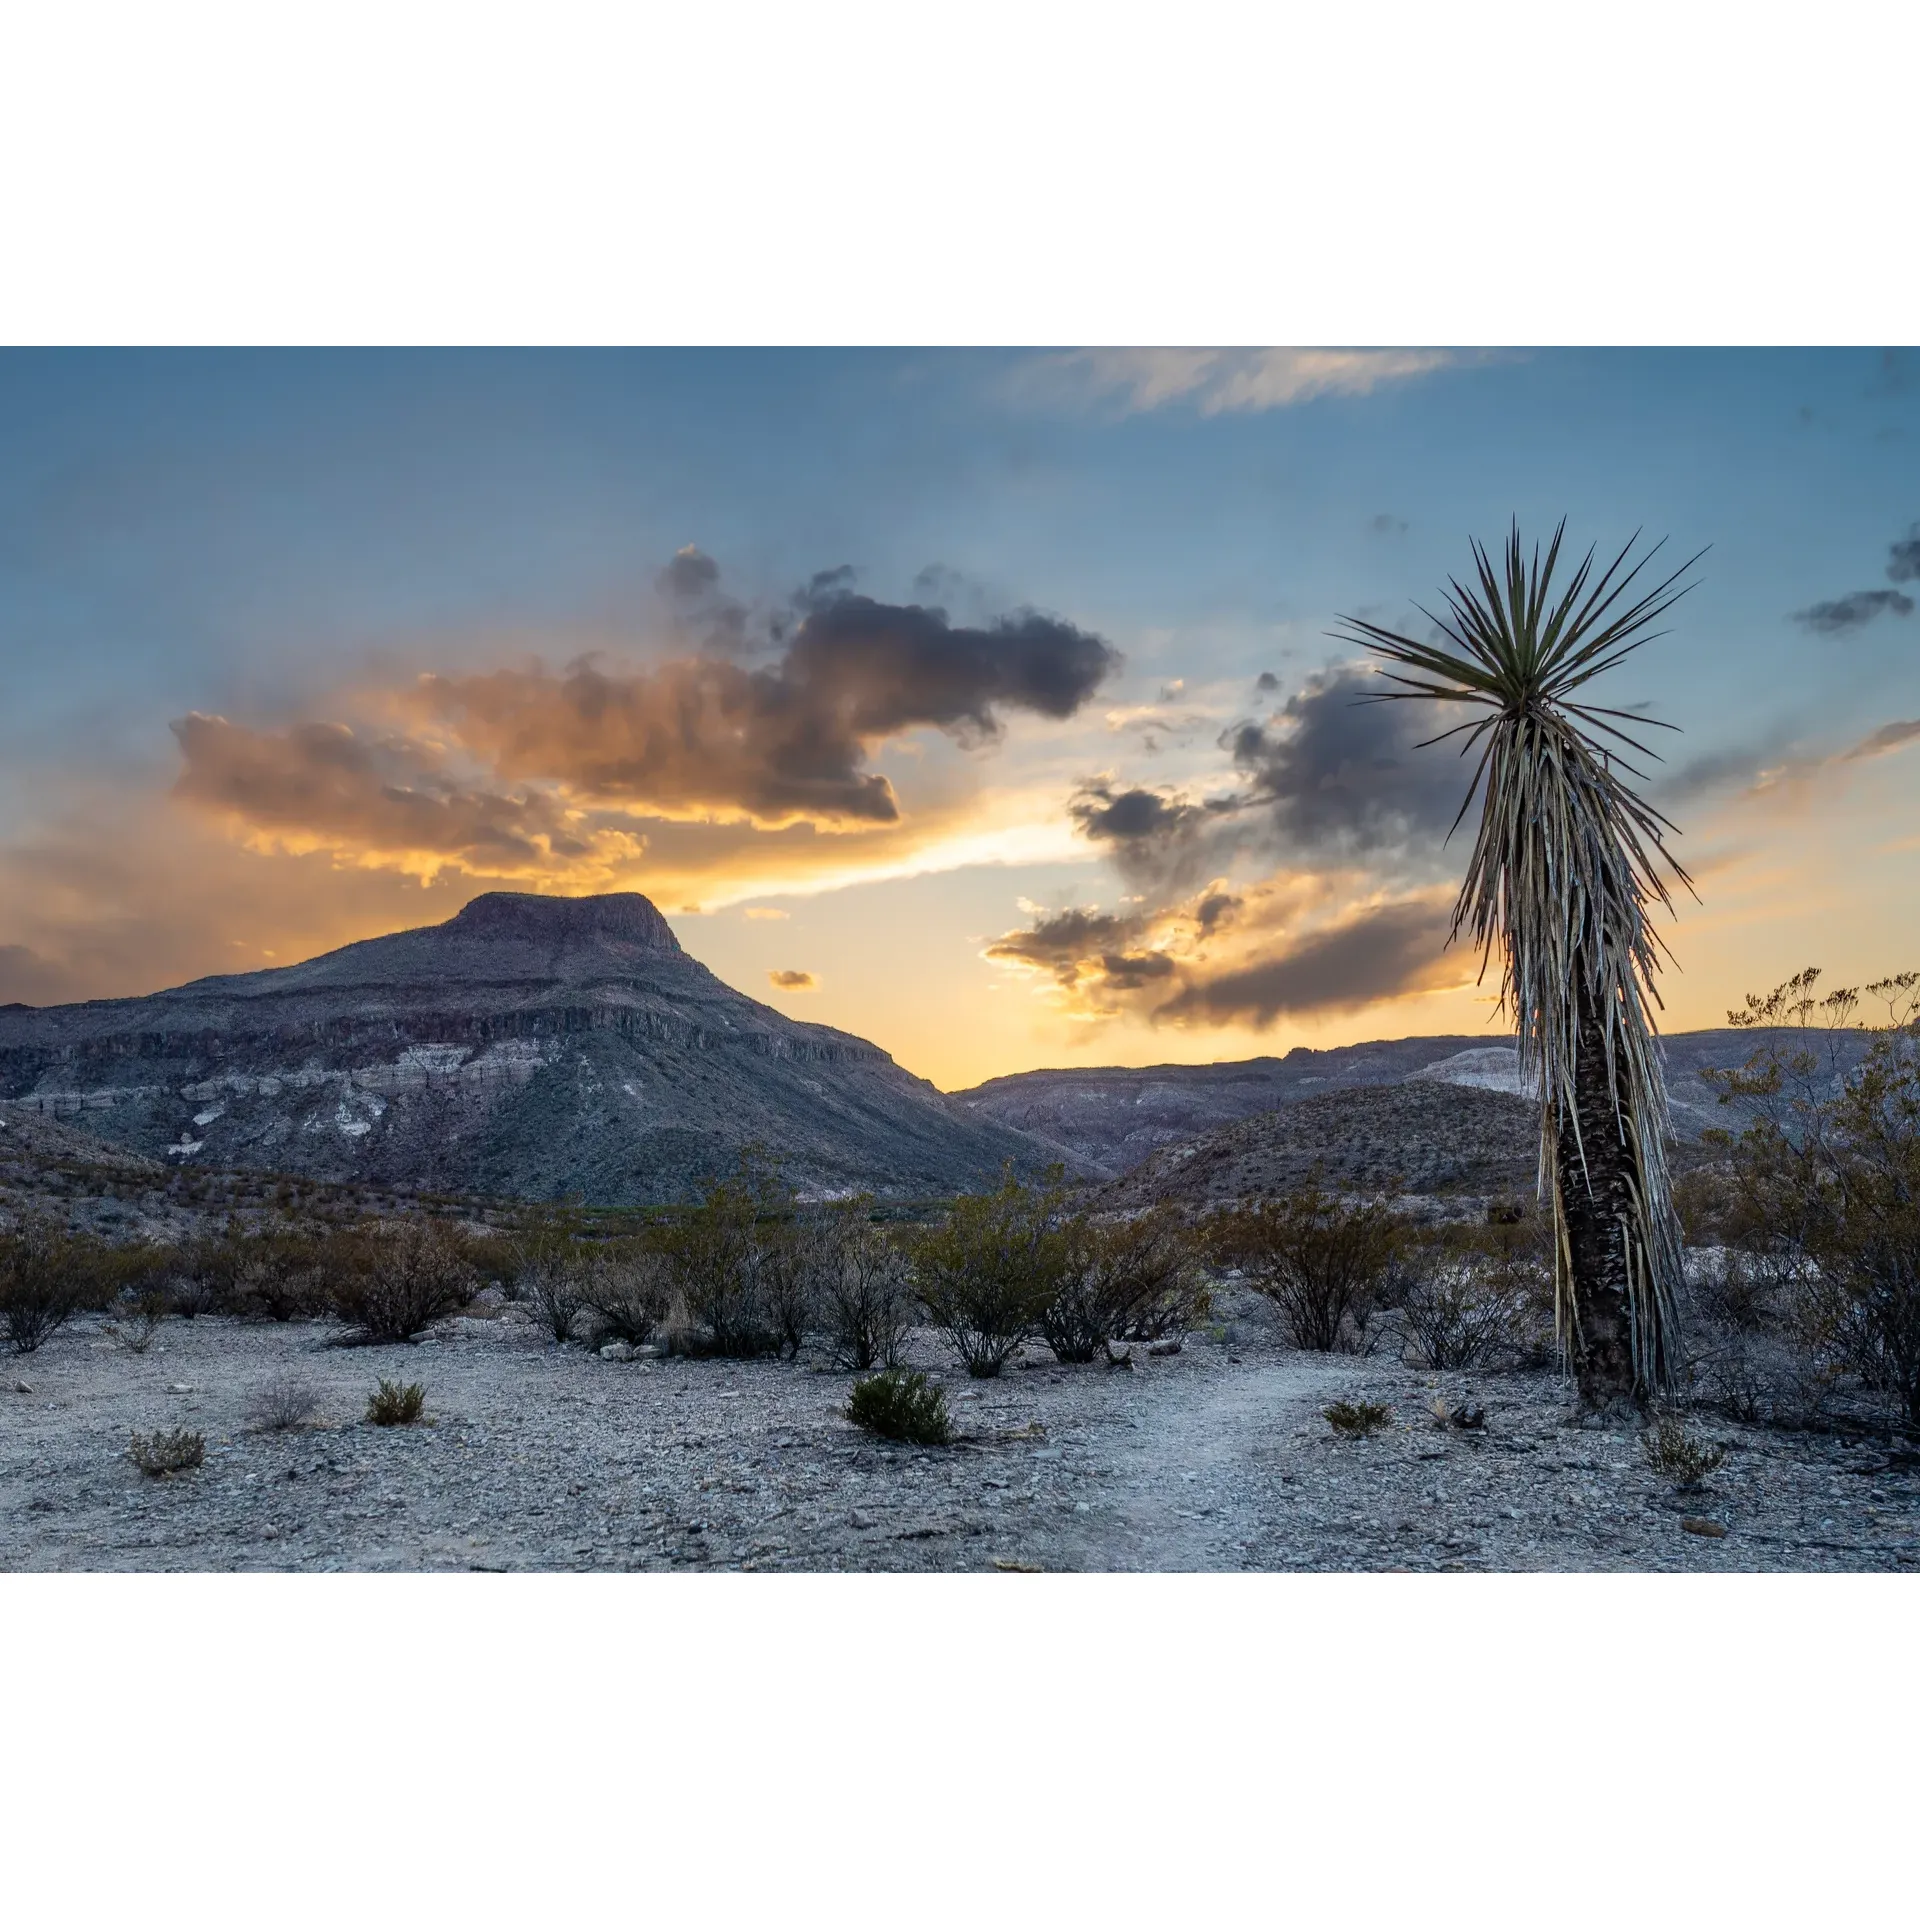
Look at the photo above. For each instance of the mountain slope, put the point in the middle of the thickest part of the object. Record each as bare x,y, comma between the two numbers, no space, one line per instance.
529,1046
1426,1136
1117,1116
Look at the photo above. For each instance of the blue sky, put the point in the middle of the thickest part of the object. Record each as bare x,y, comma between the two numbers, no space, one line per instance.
287,540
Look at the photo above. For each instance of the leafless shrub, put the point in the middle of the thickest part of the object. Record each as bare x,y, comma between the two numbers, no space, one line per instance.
282,1404
788,1256
553,1291
1123,1279
1458,1309
39,1286
713,1255
415,1276
136,1319
1322,1259
865,1300
629,1292
1827,1175
159,1454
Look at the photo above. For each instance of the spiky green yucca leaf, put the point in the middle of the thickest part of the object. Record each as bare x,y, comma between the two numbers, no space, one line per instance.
1567,862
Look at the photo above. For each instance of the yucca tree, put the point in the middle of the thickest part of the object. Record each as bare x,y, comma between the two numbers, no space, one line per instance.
1568,864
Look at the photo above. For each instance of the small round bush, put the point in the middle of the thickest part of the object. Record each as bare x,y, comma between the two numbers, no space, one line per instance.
899,1405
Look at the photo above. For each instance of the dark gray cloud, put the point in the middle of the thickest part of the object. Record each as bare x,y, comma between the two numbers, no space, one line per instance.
1133,814
1345,775
1387,523
1903,557
1158,842
1852,611
1386,953
1061,941
701,608
1267,683
1129,972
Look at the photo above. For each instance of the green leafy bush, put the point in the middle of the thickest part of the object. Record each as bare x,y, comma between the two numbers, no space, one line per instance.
1355,1419
159,1454
899,1405
987,1274
394,1403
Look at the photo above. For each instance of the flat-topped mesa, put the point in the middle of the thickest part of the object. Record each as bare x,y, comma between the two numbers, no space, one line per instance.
626,919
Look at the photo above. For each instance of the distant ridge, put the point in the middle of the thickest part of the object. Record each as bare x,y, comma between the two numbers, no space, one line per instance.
1117,1116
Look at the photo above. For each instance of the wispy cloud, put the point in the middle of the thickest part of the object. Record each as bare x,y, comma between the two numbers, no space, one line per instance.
793,980
1215,380
1852,611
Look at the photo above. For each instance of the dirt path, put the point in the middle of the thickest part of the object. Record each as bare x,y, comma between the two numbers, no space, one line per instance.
1196,1492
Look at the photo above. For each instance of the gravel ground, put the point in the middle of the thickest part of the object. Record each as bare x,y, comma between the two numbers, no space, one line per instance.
1217,1457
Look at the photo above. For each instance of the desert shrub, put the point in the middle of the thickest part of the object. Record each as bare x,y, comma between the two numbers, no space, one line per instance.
986,1274
158,1454
552,1290
498,1259
1675,1455
628,1291
1463,1301
788,1257
866,1303
1355,1419
136,1319
713,1253
1322,1259
1122,1279
280,1277
395,1403
40,1286
281,1405
414,1275
899,1405
1825,1181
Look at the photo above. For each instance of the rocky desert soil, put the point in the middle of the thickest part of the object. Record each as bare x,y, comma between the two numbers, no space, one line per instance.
1216,1457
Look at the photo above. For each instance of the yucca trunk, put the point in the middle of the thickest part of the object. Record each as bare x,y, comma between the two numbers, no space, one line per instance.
1595,1177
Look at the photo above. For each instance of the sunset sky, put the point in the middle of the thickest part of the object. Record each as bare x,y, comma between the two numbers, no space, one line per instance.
978,702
